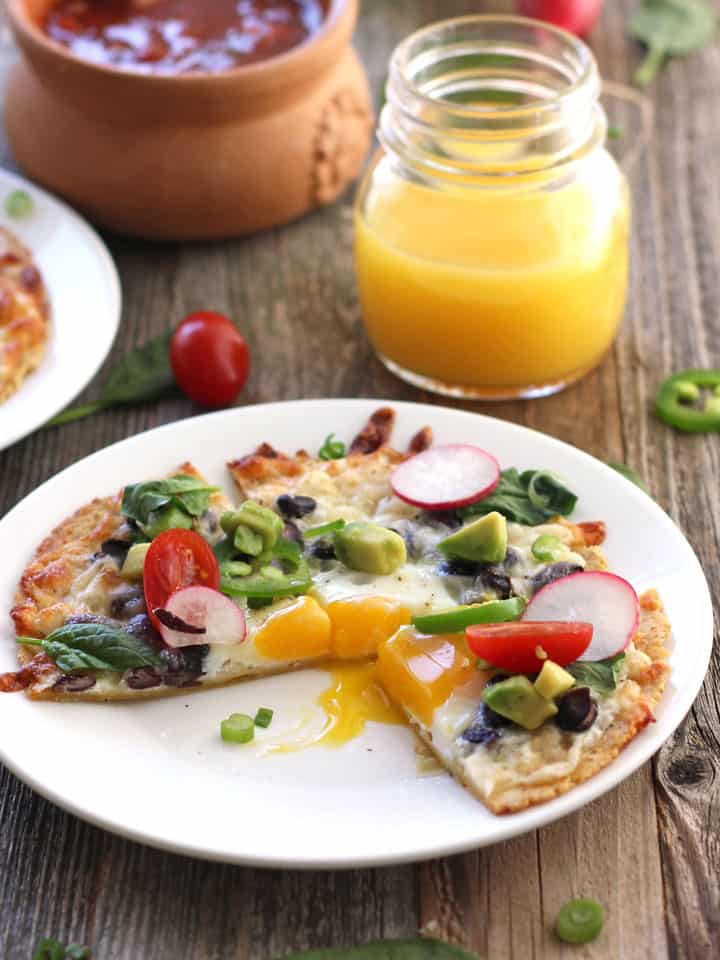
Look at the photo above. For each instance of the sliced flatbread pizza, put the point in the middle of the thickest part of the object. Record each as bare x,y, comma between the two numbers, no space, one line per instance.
24,314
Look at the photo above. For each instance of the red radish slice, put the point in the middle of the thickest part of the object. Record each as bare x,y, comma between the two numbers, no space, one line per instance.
606,601
442,478
223,621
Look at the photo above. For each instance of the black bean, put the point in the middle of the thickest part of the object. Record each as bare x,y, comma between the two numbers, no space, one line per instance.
447,518
553,572
454,567
295,507
143,678
486,727
511,558
292,532
323,550
577,711
117,550
75,683
141,627
127,604
184,664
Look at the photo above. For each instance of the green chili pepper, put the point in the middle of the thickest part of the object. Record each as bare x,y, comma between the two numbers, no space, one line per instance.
238,728
320,531
457,618
263,718
332,449
579,921
672,401
548,549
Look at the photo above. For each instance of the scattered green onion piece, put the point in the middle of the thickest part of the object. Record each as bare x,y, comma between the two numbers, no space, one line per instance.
320,531
548,549
238,728
332,449
686,391
263,718
613,132
456,619
579,921
19,205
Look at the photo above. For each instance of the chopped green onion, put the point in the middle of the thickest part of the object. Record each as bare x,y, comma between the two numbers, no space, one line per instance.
579,921
613,132
332,449
331,527
456,619
548,549
19,204
263,718
238,728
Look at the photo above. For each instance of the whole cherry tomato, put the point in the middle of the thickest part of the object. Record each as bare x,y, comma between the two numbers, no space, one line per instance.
177,559
209,359
577,16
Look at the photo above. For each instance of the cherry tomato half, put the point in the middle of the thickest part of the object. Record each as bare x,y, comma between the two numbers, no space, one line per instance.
177,559
513,646
209,359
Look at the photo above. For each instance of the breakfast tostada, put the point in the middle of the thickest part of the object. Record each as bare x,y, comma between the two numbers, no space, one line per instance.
492,619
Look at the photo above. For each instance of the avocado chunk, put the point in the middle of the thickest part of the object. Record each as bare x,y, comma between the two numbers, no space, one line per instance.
482,541
369,547
553,681
169,518
517,699
263,526
132,568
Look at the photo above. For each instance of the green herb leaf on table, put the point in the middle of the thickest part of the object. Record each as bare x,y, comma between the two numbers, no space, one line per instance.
51,949
602,675
143,374
183,491
94,646
670,28
529,498
419,948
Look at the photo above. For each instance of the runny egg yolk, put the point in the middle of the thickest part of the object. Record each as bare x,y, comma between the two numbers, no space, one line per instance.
353,698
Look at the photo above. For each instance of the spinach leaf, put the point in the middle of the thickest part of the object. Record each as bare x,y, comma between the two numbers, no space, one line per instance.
530,498
601,675
419,948
670,28
94,646
632,475
143,374
189,494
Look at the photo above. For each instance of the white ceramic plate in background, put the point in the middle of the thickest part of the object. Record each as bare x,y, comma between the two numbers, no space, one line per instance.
84,294
158,772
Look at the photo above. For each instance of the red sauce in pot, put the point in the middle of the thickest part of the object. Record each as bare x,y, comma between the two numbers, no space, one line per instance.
181,36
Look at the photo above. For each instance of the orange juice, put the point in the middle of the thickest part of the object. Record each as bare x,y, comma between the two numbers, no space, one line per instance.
493,291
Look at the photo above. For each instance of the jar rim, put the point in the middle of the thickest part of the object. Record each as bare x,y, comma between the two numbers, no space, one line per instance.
403,57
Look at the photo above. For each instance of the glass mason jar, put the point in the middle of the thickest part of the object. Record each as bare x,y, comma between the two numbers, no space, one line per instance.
491,231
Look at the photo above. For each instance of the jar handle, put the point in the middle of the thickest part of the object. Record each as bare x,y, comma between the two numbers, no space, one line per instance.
628,149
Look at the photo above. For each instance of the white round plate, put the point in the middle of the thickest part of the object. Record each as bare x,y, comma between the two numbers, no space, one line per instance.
158,772
84,294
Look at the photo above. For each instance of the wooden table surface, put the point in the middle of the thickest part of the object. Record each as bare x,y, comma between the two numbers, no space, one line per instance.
649,850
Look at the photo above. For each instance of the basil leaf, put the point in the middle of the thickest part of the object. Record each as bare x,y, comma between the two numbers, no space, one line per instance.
419,948
189,494
94,646
143,374
670,28
548,493
601,675
529,498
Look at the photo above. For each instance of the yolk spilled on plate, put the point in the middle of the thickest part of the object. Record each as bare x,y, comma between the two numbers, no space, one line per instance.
352,698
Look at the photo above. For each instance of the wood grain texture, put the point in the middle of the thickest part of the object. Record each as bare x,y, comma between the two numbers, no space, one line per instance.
649,850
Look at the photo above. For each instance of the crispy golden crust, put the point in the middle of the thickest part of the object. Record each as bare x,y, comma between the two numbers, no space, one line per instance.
66,576
24,314
644,691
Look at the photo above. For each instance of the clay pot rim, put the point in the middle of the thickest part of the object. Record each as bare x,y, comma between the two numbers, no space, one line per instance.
339,11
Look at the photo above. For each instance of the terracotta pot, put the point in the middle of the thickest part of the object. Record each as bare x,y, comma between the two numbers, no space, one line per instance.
192,156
